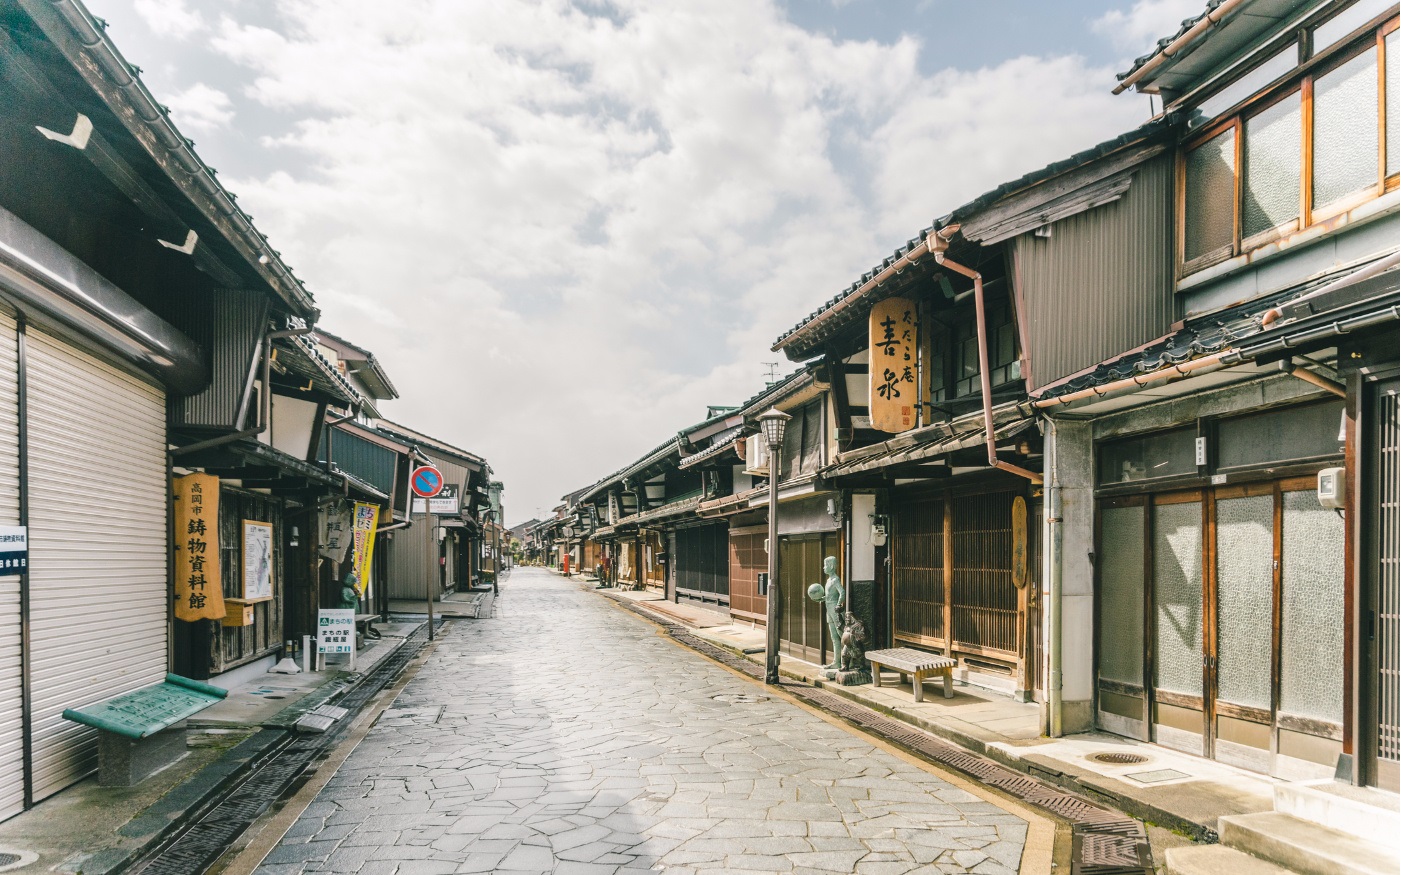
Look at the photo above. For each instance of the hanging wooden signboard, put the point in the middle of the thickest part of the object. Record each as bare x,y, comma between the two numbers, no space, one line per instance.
199,587
1019,542
894,333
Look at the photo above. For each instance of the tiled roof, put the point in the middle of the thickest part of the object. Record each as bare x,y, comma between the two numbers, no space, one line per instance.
1187,24
722,442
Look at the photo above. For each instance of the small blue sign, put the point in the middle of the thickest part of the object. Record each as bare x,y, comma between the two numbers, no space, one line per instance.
14,550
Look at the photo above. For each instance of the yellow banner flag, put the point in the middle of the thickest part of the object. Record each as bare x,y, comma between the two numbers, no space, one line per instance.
366,523
199,587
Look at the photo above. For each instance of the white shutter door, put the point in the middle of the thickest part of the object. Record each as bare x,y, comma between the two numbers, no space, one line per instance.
97,547
11,689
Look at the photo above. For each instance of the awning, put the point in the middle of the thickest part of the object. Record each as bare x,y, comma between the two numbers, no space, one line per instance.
942,443
729,504
722,442
680,507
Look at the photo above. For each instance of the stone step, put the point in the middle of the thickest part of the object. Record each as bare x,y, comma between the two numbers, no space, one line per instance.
1214,860
1304,847
1365,812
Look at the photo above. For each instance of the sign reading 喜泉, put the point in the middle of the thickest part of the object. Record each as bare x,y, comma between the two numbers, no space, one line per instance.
335,631
894,390
14,550
199,585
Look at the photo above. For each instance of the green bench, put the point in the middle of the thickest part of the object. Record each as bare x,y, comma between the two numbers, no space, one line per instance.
143,731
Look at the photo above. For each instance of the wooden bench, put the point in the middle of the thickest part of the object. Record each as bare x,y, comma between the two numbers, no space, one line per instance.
907,662
365,625
135,735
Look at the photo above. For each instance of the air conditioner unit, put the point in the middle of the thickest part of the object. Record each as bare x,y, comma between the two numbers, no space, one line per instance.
756,456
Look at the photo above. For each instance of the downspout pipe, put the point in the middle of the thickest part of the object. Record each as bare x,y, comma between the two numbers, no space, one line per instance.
990,435
1055,636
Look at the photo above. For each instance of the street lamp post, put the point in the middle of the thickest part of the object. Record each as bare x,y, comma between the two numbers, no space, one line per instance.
773,424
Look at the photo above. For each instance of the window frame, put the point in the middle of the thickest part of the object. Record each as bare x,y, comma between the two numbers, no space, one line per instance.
1301,81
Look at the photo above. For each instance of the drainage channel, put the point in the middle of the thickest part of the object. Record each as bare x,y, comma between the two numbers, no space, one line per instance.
1103,841
194,848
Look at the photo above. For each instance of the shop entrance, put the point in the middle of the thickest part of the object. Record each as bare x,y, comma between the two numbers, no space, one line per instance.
801,628
1220,624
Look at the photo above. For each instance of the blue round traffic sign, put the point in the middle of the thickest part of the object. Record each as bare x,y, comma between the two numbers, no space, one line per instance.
426,481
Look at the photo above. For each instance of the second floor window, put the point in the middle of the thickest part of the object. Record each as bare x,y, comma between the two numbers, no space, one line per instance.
1321,146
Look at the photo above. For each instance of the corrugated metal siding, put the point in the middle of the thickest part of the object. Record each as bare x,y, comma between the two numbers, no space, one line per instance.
98,596
1101,284
11,686
240,319
355,455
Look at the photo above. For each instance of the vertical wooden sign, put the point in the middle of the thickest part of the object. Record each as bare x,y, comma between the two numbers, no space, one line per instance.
199,587
1019,542
894,333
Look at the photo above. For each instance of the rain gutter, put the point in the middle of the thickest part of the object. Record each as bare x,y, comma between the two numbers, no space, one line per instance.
1174,48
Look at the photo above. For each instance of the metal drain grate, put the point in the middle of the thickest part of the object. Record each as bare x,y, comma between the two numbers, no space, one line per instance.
9,859
1118,758
193,849
1105,842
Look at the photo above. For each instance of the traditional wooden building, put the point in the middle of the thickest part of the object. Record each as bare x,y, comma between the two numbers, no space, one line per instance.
138,310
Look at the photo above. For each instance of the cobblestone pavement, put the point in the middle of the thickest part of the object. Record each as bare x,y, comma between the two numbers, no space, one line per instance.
567,736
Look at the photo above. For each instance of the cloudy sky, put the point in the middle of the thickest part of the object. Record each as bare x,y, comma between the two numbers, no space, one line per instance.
567,228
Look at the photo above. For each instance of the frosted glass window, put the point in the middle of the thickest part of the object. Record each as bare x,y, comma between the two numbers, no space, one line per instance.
1244,598
1345,130
1271,163
1282,62
1211,194
1311,657
1121,595
1177,596
1393,106
1347,21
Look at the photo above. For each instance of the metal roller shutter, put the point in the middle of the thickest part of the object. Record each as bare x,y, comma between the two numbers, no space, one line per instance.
11,684
97,556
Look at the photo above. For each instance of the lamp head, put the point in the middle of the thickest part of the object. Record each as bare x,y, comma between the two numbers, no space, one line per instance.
774,422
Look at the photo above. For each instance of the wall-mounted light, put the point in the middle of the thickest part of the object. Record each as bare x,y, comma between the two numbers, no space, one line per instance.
880,524
294,542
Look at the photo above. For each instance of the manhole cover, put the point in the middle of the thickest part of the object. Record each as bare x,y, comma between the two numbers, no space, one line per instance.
739,698
1115,758
13,859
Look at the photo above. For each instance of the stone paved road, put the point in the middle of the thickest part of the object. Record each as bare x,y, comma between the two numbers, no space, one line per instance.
567,736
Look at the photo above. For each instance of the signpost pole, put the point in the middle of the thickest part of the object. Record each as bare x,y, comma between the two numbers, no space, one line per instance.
431,581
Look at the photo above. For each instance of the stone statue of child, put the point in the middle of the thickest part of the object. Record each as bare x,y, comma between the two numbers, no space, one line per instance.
832,598
350,595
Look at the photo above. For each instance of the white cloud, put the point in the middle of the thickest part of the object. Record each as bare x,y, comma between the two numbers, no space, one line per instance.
964,132
170,18
200,108
566,233
1138,30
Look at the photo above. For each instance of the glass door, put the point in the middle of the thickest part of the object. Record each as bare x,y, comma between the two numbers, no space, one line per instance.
1245,585
1176,544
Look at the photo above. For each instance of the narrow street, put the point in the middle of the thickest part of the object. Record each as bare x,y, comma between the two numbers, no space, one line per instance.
566,735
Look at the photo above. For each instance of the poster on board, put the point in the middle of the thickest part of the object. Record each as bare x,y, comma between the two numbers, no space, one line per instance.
257,560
